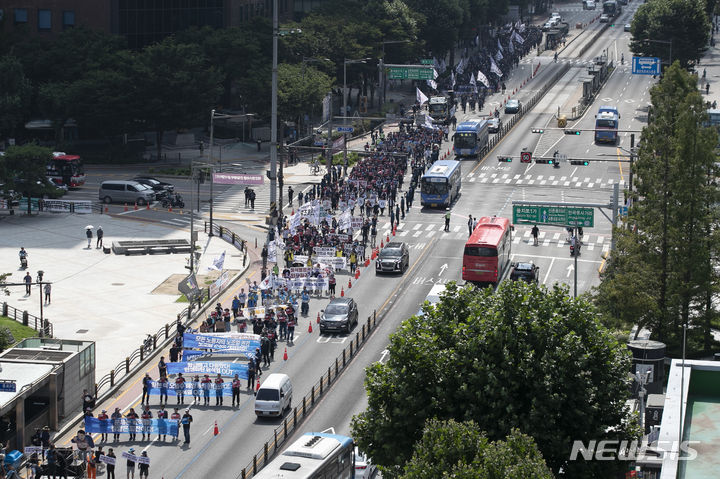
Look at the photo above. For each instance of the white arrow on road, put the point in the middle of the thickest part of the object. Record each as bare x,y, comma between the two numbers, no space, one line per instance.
570,270
443,268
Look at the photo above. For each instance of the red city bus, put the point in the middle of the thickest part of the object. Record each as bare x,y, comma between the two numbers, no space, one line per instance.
487,251
66,170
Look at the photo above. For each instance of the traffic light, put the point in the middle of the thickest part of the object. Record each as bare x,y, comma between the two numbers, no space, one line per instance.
538,130
580,162
545,161
505,159
572,132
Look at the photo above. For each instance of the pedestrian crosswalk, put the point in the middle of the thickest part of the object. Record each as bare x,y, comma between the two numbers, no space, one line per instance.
542,180
560,239
232,200
182,220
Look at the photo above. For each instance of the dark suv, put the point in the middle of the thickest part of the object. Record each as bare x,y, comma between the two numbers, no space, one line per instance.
393,258
527,272
340,315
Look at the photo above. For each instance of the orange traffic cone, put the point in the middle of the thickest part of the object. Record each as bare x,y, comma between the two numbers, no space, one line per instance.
349,283
147,206
216,431
170,209
285,355
126,208
367,263
394,230
106,209
293,212
257,386
342,292
135,206
382,245
387,239
357,274
318,319
310,327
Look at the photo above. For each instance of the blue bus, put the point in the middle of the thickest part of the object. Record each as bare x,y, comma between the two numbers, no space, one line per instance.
612,8
440,185
607,121
315,454
471,138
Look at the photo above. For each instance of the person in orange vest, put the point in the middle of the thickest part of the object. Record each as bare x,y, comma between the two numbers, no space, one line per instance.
236,390
219,390
146,416
175,416
206,383
180,389
103,416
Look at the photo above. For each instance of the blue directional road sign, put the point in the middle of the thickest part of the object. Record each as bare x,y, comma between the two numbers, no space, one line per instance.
7,386
345,129
646,66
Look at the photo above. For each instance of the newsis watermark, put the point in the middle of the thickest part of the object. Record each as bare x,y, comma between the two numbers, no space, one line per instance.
614,450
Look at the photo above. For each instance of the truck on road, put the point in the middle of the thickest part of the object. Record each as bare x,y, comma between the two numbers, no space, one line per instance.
441,109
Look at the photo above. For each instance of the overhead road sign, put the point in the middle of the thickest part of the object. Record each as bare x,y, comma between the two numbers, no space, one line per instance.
554,215
427,61
416,72
525,157
646,65
345,129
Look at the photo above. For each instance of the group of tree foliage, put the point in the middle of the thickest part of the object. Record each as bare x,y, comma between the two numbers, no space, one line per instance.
23,170
663,274
525,359
92,78
672,30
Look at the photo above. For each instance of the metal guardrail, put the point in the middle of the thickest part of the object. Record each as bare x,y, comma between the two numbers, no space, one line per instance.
42,326
226,234
294,419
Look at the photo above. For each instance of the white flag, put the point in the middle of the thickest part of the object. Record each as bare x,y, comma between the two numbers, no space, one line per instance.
420,96
499,46
494,68
460,68
435,74
521,28
452,79
428,122
518,38
511,47
432,84
483,79
218,262
472,79
499,56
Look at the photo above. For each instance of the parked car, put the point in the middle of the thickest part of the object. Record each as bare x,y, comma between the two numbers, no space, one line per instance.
494,125
604,18
556,15
528,272
628,27
340,315
589,5
393,258
512,106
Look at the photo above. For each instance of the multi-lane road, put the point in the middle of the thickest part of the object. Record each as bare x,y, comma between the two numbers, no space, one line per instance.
489,188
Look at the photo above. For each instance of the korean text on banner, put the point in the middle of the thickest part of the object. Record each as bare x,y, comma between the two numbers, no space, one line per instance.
217,342
207,367
131,426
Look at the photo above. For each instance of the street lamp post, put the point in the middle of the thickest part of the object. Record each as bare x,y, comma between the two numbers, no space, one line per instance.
345,95
274,106
381,67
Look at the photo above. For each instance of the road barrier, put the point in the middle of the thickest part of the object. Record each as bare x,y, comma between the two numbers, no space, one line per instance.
294,419
42,326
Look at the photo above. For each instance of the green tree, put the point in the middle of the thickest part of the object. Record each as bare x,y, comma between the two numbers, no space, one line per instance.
441,22
524,357
25,168
15,95
450,449
176,87
674,213
300,88
678,30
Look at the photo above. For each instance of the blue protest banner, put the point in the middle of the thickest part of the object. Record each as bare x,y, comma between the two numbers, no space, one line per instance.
208,367
191,390
234,341
131,426
194,355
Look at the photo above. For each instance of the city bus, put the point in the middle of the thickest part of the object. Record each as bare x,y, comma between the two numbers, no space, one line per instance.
471,138
607,122
440,185
315,454
433,297
612,8
487,251
66,170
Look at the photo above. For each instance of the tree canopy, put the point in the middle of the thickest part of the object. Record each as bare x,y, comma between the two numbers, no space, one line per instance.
450,449
662,274
525,357
671,30
24,168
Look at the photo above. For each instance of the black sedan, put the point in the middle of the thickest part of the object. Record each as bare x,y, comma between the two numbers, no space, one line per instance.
528,272
161,188
393,258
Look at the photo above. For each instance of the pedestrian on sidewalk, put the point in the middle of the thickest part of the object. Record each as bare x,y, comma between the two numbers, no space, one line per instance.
470,225
290,195
48,289
447,219
28,283
100,233
535,230
89,235
392,219
186,420
402,206
251,374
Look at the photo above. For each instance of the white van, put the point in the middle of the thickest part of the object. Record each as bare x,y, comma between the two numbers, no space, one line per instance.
274,396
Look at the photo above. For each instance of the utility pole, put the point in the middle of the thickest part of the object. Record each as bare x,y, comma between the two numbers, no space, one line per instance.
632,157
212,120
614,204
274,119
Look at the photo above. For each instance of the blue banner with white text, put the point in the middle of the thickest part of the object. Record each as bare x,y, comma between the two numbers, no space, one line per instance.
131,426
195,355
212,368
192,389
234,341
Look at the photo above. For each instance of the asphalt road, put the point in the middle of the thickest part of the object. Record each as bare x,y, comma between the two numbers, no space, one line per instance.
488,189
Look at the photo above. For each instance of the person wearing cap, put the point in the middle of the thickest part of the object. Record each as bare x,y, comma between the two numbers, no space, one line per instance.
186,420
104,418
84,444
147,385
111,467
144,467
162,425
132,418
116,418
219,390
146,417
206,385
131,465
196,387
163,386
447,219
180,389
236,390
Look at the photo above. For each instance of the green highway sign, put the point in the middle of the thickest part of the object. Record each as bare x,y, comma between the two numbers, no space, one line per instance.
411,73
555,215
427,61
